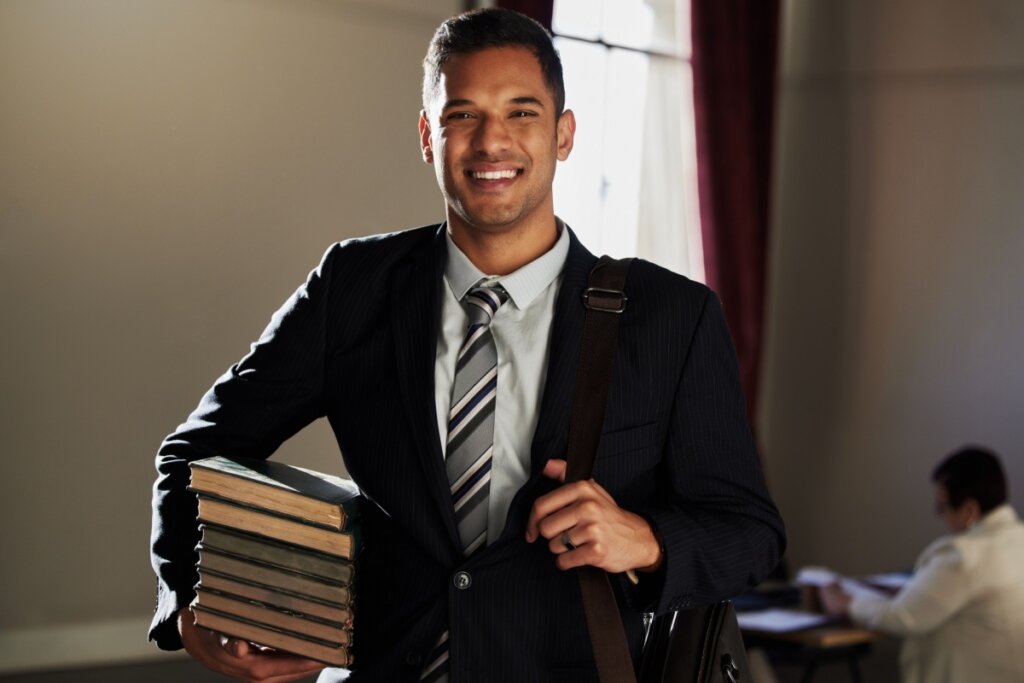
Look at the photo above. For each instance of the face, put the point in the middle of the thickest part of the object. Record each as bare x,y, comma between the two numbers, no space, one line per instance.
956,518
493,138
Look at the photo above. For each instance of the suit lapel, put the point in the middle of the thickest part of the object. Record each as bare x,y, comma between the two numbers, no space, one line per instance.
551,437
416,313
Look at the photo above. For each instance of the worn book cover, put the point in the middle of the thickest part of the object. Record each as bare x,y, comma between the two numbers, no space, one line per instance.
265,615
286,529
276,554
275,579
276,598
316,497
331,653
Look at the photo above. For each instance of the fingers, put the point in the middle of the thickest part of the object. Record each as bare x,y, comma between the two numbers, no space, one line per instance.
278,667
556,468
239,659
545,506
587,495
599,532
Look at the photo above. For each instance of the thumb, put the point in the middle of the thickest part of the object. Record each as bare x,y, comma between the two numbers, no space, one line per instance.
555,469
236,647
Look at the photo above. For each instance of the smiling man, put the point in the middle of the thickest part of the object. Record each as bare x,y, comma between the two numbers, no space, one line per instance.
444,358
494,129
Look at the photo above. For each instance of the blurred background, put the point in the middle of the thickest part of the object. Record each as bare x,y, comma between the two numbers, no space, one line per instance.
171,170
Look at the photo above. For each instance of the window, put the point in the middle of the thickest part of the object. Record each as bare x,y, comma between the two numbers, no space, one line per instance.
630,185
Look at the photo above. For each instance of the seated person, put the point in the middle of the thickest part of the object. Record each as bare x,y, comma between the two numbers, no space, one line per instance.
962,612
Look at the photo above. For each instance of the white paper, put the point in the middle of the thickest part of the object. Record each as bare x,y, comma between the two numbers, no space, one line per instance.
817,576
780,620
822,576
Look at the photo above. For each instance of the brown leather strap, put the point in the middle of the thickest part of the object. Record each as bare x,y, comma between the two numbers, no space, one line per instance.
605,300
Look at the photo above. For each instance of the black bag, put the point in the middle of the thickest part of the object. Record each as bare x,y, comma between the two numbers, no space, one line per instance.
696,645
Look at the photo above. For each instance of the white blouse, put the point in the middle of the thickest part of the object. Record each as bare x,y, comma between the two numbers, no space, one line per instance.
962,613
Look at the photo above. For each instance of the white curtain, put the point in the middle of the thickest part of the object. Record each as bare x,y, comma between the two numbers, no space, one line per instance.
629,187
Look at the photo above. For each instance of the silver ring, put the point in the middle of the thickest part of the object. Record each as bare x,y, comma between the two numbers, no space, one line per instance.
569,545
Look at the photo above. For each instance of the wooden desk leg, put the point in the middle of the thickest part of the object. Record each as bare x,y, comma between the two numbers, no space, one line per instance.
854,667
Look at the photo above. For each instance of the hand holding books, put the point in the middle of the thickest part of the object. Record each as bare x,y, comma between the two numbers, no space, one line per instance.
275,566
239,659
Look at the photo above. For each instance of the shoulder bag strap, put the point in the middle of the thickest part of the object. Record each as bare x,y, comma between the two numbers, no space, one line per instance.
604,300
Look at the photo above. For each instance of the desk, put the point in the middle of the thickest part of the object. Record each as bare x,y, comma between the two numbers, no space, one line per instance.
814,646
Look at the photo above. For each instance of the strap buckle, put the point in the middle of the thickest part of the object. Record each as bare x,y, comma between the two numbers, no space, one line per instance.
605,300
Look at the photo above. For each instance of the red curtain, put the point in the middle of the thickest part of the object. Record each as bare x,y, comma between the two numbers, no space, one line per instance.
735,46
535,9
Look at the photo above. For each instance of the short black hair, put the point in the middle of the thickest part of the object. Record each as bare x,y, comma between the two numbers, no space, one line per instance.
482,29
972,472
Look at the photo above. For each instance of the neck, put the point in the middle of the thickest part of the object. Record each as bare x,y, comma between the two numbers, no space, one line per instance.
504,251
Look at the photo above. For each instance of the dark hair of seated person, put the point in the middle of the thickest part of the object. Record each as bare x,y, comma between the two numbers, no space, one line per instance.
972,472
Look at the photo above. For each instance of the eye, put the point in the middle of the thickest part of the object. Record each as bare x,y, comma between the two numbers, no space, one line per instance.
523,113
459,116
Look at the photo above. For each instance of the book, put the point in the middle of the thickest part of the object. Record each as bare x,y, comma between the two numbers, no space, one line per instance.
327,652
275,553
285,489
274,579
270,597
288,530
264,615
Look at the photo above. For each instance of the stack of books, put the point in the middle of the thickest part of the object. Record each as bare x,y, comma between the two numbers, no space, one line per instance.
276,556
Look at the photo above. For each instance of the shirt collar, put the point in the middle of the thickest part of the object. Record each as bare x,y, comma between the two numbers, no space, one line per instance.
523,285
1002,515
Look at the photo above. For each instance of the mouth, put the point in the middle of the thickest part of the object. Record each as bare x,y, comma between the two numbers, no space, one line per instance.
502,174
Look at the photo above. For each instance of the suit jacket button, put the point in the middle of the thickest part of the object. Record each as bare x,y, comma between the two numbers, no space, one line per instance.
413,658
462,580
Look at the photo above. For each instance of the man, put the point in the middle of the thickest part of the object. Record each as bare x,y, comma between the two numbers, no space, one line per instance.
376,340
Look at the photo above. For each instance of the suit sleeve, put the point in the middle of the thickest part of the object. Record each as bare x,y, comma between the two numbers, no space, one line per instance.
258,403
720,530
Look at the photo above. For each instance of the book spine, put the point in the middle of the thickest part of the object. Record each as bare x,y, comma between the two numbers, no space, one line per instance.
274,598
326,652
298,623
269,484
275,579
250,520
283,513
277,554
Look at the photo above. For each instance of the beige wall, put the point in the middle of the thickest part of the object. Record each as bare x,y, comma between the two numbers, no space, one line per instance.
169,172
897,292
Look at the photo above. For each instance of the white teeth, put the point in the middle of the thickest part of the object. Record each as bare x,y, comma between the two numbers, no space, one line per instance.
495,175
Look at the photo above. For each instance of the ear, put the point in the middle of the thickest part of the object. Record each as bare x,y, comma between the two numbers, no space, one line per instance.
426,146
972,511
565,131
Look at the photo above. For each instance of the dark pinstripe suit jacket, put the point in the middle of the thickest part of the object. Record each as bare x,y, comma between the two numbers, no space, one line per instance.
356,343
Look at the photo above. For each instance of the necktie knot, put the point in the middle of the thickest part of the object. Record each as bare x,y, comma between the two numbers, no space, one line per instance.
483,301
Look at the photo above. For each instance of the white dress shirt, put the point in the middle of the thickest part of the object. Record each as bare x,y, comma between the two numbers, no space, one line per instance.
962,613
521,329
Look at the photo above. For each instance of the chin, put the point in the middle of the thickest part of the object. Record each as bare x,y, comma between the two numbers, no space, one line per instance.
491,221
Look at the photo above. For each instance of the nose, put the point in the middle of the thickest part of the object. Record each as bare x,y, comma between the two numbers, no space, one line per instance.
492,136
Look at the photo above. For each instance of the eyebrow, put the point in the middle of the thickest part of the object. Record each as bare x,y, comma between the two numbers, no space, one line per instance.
525,99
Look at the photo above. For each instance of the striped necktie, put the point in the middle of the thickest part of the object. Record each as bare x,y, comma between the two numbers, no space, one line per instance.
471,417
471,437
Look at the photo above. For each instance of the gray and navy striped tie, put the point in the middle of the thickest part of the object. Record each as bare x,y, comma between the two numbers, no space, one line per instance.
471,436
